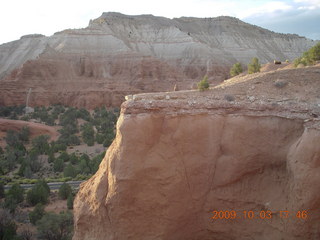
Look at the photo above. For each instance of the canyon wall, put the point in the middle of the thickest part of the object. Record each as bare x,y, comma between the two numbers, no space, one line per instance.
180,156
118,55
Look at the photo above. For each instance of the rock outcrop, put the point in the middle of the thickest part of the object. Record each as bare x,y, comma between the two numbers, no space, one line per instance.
36,129
118,55
250,145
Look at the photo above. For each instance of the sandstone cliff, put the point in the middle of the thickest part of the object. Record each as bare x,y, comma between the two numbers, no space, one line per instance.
250,144
118,55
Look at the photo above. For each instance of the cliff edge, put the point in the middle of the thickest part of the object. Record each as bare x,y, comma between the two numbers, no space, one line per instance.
248,149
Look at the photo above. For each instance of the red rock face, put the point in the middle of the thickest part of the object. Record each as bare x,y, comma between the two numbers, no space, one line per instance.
165,175
118,55
184,162
88,82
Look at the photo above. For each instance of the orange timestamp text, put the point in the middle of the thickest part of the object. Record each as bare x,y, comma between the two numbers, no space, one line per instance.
232,214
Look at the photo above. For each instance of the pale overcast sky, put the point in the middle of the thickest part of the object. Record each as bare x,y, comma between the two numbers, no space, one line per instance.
21,17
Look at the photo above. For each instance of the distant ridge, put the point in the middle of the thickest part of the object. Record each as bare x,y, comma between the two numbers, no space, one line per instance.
117,54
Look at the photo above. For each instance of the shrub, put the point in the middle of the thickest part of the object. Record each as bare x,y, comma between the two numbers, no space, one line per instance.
40,144
56,147
100,138
64,156
88,134
254,66
309,57
64,191
39,193
10,203
1,190
16,192
55,226
203,84
229,97
280,84
7,226
236,69
73,158
70,201
24,134
37,213
69,171
58,165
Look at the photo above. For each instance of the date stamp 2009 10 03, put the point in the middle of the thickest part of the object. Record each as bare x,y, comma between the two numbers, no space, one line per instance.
232,214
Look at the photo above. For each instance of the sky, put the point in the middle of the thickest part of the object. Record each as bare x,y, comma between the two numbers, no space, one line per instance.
21,17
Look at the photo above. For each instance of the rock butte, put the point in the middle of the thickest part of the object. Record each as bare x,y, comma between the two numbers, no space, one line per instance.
117,55
250,144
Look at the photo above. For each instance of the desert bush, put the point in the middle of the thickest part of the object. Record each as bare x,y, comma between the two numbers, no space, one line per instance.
8,227
73,158
55,226
37,213
40,144
1,190
70,201
236,69
309,57
24,134
229,97
254,66
39,193
69,171
64,191
58,165
203,84
64,156
280,84
16,192
88,134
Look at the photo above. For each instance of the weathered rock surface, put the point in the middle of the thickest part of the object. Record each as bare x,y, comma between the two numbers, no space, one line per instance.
179,156
118,55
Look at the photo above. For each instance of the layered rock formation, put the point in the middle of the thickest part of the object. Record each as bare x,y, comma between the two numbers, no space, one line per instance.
118,55
250,144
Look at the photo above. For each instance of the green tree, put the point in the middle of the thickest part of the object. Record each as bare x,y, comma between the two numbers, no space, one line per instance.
10,203
37,213
7,226
100,138
254,66
88,134
309,57
236,69
55,226
64,191
39,193
70,200
73,158
12,138
203,84
56,147
51,157
24,134
58,165
16,192
69,171
40,144
84,165
64,156
1,190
